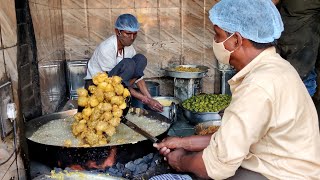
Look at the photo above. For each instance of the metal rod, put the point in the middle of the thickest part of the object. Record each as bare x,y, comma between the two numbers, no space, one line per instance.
5,84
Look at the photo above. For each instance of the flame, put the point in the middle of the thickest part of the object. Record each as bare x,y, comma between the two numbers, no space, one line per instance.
108,162
76,167
91,164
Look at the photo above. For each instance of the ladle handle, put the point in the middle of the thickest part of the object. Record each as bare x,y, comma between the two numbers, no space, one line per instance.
139,130
172,112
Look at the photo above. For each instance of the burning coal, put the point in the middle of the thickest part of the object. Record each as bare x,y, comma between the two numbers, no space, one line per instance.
142,168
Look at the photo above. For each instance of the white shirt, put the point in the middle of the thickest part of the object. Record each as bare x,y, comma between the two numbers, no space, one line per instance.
270,127
105,57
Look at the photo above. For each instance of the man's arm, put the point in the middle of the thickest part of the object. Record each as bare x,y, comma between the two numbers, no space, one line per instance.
184,161
143,88
137,94
193,163
145,96
191,143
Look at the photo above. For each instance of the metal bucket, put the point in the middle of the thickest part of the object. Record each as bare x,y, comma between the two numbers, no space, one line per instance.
153,88
170,107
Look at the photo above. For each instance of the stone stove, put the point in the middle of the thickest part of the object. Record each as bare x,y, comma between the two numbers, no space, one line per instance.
139,169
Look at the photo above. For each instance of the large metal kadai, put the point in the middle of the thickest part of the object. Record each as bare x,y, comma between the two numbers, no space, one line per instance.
125,145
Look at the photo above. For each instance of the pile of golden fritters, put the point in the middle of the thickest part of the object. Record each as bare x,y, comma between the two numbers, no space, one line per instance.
103,108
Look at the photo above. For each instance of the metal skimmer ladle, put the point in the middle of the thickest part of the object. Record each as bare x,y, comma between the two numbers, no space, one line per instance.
133,126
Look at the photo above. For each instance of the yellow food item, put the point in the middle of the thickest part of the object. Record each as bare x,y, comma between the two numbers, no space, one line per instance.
109,95
78,116
208,130
187,69
165,102
118,100
67,143
117,112
99,78
82,101
119,89
116,80
92,89
101,126
110,130
102,86
106,116
114,121
102,110
93,101
87,111
123,105
82,92
106,107
126,93
109,88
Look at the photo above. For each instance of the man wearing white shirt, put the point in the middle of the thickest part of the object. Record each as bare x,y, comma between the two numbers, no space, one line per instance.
117,56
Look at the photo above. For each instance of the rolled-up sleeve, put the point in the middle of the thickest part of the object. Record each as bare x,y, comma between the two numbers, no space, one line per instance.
244,123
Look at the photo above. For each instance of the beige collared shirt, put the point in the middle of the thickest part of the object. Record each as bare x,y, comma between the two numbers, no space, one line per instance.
271,126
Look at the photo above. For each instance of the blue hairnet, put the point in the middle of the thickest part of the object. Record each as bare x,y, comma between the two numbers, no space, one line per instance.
257,20
127,22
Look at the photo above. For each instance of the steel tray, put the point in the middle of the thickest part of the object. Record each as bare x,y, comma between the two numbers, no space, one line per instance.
170,71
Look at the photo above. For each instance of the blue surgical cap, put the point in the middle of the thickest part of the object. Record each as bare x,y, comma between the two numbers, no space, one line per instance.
127,22
257,20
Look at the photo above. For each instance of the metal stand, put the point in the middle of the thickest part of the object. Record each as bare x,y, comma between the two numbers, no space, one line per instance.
225,76
186,88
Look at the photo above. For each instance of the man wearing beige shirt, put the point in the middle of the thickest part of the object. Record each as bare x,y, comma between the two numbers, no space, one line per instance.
270,130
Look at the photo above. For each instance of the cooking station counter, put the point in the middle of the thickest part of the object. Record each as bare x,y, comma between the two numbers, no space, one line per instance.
181,127
152,161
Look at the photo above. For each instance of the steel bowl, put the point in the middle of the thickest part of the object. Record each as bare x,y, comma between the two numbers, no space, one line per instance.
199,117
169,110
170,71
204,125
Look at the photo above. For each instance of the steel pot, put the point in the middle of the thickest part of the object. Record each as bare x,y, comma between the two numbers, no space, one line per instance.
170,107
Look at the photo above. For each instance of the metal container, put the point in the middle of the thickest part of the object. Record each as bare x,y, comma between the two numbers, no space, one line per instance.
170,71
170,109
199,117
154,90
204,125
76,71
186,88
225,77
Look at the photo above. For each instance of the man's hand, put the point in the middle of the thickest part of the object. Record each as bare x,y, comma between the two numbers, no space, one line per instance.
155,105
182,156
169,144
152,103
174,159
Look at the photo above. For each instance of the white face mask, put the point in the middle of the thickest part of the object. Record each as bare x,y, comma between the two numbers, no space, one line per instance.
221,53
